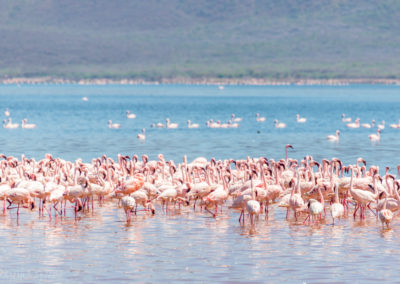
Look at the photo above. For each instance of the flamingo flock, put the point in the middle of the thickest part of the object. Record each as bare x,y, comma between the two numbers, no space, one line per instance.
315,192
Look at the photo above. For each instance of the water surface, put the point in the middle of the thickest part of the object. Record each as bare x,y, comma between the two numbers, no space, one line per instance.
188,246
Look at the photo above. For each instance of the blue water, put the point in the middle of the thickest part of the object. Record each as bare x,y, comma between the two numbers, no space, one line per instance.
189,246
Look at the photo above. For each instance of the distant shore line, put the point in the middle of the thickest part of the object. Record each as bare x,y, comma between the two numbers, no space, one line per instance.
199,81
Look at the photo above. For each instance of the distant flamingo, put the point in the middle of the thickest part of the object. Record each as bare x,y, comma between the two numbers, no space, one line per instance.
85,99
345,119
171,125
113,125
142,136
355,124
375,137
395,125
367,125
279,124
6,112
300,119
382,125
236,119
130,115
260,119
334,137
27,125
194,125
9,124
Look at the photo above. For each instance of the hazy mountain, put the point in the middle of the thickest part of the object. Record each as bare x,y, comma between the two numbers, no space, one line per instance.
169,38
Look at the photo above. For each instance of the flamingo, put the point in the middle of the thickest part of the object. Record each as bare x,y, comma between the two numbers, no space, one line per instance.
194,125
235,119
9,124
345,119
27,125
375,137
85,99
385,215
315,207
142,136
367,125
113,125
395,125
382,125
334,137
130,115
279,124
260,119
300,119
171,125
355,124
337,209
128,204
253,206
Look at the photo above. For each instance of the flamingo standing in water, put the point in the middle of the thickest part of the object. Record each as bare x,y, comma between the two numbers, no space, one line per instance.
130,115
334,137
382,125
113,125
279,124
300,119
385,215
337,208
10,124
355,124
129,204
236,119
7,112
253,206
142,136
171,125
192,125
375,137
345,119
27,125
395,125
260,119
367,125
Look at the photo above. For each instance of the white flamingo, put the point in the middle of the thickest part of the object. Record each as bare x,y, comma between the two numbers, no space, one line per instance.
192,125
260,118
142,136
113,125
300,119
345,119
382,125
367,125
7,112
10,124
171,125
355,124
337,209
235,119
375,137
279,124
334,137
130,115
27,125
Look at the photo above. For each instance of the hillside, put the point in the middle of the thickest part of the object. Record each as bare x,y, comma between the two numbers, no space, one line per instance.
175,38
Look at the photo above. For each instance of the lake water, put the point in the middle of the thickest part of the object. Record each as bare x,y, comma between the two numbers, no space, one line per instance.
187,246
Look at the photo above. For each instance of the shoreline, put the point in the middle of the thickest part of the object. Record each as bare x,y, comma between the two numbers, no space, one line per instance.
200,81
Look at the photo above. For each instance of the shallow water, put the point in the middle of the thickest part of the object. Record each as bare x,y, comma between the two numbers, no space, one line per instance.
188,246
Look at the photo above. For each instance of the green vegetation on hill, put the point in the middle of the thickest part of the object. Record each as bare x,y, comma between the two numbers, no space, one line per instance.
156,39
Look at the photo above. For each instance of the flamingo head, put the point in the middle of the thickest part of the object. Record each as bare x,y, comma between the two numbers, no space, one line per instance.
289,146
337,132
